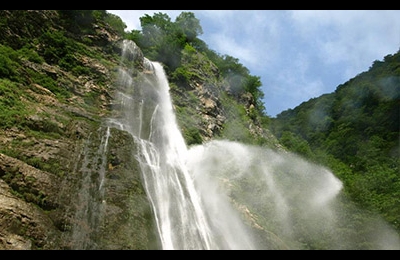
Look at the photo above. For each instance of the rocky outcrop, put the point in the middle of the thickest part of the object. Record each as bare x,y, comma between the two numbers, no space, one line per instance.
23,225
206,106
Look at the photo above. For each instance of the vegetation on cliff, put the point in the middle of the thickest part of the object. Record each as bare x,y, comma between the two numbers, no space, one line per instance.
58,71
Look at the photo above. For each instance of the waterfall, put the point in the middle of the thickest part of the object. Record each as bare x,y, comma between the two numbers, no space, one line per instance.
227,195
148,115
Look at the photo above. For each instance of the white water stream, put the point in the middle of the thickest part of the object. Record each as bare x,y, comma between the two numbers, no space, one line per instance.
192,191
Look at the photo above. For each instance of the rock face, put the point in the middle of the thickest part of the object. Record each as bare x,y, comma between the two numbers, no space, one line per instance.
206,106
22,221
62,186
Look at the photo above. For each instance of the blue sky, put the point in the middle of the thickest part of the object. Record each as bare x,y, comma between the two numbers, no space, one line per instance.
298,54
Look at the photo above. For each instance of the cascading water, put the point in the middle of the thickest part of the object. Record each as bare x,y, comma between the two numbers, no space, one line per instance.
226,195
148,115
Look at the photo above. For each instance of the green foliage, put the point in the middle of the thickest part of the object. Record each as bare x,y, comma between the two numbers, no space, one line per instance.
27,191
189,25
355,131
188,71
99,15
13,110
8,62
235,127
116,23
181,76
162,40
134,35
57,47
189,49
28,52
253,85
192,136
80,21
49,83
295,143
187,118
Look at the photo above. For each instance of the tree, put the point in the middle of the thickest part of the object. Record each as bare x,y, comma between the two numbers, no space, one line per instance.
189,25
116,23
253,85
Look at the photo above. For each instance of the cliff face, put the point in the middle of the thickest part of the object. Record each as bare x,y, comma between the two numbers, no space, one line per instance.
53,158
207,107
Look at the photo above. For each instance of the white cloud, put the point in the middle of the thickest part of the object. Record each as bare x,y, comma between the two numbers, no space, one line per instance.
354,37
298,54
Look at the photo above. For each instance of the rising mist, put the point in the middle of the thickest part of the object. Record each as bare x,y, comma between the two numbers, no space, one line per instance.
228,195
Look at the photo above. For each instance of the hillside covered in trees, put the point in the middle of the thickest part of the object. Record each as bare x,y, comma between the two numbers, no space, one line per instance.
354,131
